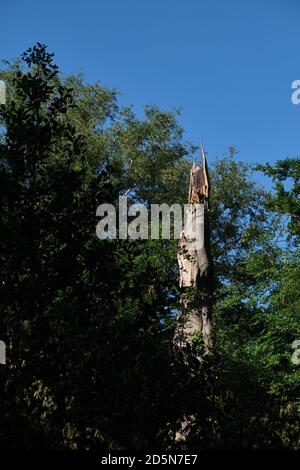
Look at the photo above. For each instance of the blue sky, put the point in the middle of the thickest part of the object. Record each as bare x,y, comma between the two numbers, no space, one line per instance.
228,65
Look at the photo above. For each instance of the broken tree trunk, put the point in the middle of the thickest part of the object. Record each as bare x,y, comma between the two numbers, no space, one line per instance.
196,278
196,282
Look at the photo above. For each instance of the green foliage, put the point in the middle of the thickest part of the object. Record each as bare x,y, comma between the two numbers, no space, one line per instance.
89,323
286,176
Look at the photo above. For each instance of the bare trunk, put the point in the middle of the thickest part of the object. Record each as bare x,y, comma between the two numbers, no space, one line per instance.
196,283
191,322
195,268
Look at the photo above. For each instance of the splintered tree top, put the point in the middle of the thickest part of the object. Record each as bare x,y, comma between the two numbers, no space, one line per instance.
193,262
198,188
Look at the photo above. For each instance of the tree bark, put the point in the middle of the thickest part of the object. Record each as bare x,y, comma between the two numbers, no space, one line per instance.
196,277
196,283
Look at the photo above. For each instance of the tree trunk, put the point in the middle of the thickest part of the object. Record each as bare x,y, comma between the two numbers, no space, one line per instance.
196,283
196,278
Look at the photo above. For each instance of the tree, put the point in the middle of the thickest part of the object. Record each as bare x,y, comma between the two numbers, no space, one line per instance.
286,174
89,323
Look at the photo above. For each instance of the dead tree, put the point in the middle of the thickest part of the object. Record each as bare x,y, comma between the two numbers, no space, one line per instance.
196,277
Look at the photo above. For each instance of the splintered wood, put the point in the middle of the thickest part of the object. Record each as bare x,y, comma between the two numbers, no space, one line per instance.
194,267
193,263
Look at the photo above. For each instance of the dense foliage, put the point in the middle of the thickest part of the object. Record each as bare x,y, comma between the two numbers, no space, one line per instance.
88,323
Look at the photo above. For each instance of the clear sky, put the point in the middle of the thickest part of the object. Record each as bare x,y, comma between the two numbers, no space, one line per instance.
228,65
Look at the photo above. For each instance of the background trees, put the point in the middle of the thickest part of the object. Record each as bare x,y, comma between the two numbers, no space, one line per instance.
88,324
